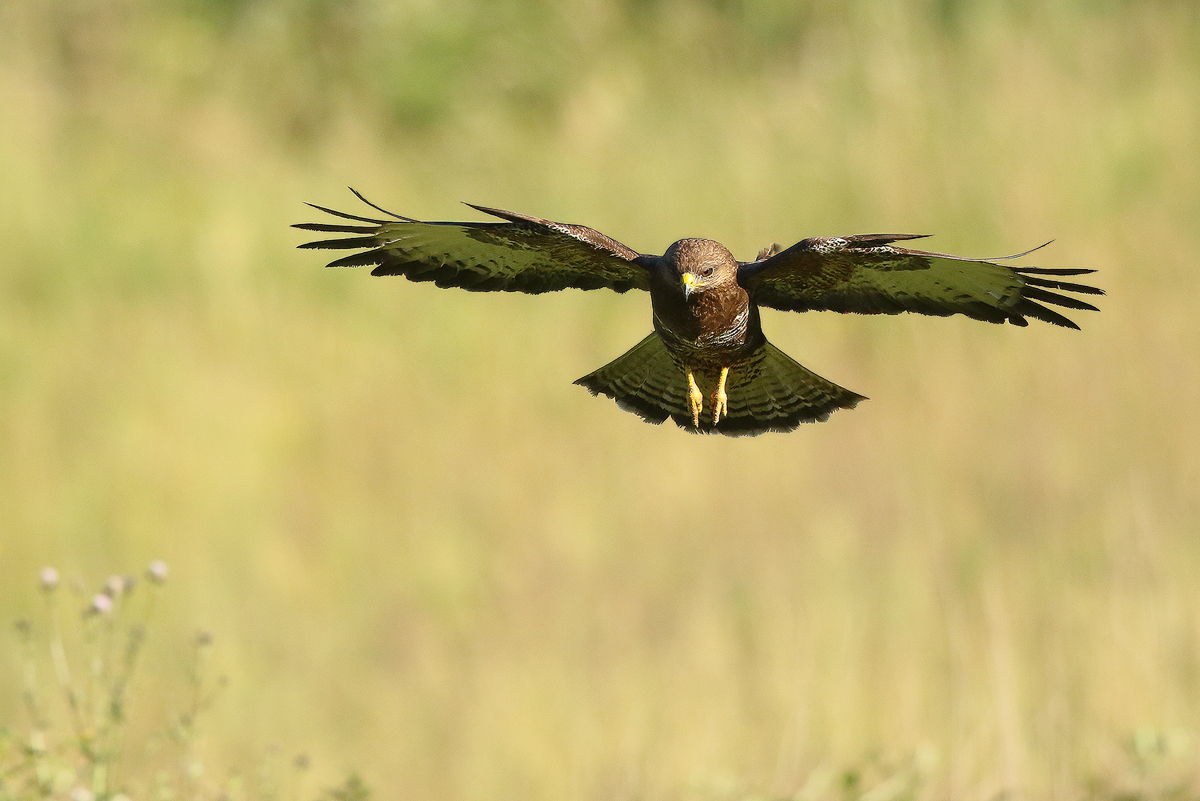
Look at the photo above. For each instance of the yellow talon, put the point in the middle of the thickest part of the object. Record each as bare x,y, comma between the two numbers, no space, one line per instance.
695,399
720,401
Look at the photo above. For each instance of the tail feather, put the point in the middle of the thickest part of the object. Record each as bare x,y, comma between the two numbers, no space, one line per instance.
645,381
769,391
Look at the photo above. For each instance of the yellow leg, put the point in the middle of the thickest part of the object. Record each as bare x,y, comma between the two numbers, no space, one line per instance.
720,401
695,399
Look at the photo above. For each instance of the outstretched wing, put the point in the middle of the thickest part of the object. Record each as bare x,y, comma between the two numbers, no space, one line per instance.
521,254
866,274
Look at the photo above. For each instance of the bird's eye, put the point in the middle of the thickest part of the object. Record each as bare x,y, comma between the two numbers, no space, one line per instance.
706,272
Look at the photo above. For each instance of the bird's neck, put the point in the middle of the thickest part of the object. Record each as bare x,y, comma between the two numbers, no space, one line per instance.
720,316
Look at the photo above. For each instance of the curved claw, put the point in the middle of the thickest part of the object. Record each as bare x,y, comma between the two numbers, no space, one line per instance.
695,399
720,401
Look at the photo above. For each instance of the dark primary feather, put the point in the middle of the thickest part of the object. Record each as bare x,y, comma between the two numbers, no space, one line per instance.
521,254
866,274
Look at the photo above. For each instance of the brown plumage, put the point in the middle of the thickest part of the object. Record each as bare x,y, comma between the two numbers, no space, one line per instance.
707,365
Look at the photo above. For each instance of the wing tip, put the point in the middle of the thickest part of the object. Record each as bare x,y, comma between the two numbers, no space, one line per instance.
378,208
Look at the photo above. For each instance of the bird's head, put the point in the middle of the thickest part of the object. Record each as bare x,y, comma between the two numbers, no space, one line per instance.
698,265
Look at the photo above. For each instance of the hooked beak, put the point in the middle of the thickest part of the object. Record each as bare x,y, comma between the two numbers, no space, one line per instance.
690,284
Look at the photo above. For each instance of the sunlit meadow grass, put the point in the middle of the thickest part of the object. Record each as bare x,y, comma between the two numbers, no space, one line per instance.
86,733
431,558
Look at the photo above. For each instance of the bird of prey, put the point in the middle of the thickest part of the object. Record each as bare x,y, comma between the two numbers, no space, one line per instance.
707,342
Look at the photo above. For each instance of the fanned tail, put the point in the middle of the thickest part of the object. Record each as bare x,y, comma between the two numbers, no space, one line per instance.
768,391
645,381
771,391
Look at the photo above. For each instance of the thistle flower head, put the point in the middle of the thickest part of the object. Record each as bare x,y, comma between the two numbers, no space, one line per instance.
101,605
114,587
157,571
49,579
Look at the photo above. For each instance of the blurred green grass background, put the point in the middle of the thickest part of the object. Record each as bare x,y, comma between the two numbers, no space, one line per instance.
426,556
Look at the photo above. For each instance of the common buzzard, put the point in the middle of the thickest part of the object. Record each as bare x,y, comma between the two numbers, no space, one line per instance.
707,340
